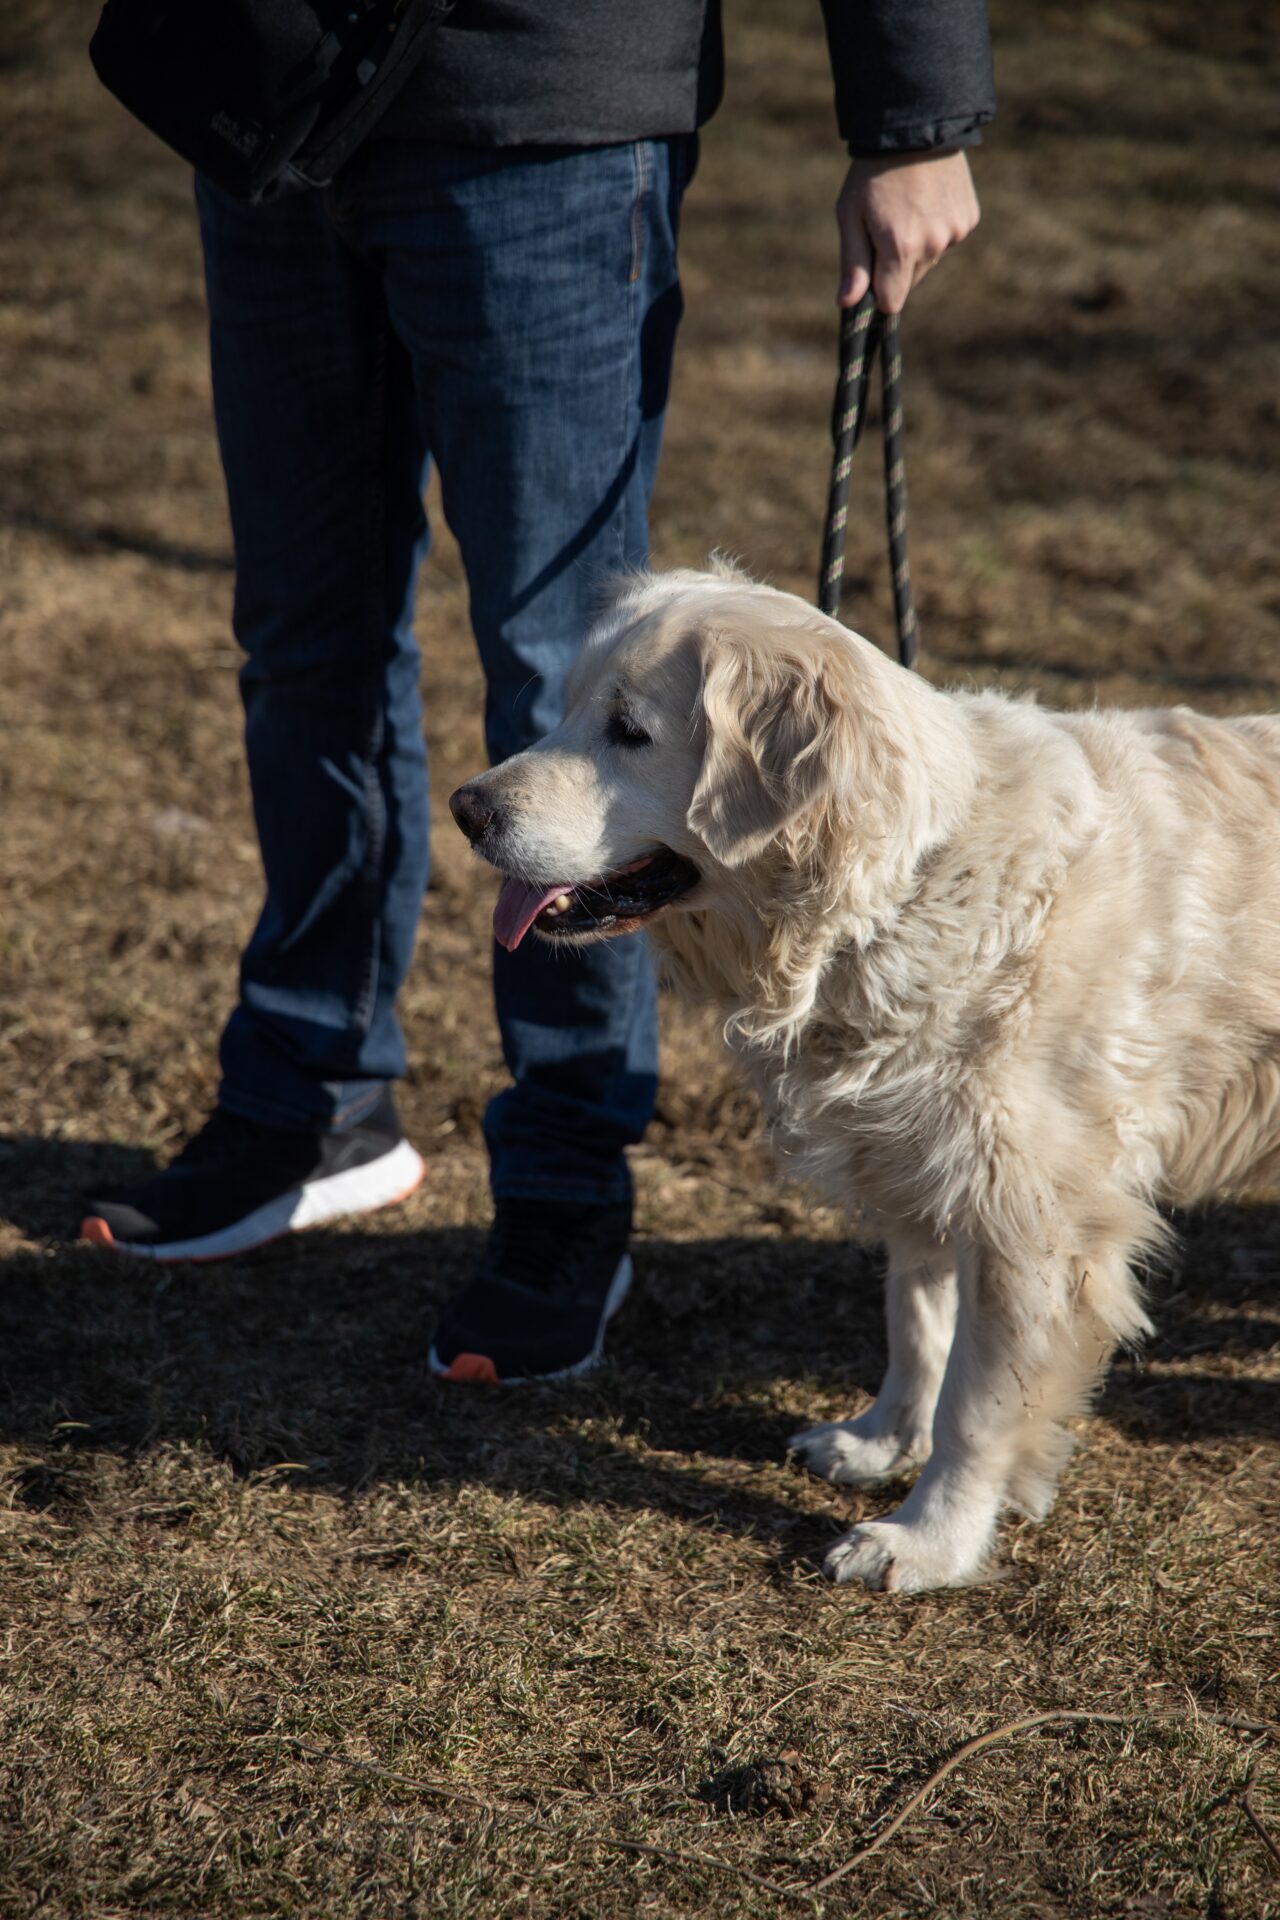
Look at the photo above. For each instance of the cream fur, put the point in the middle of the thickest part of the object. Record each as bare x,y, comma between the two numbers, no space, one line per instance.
1004,978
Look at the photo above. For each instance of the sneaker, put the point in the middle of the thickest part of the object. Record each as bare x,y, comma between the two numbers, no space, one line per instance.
551,1279
238,1184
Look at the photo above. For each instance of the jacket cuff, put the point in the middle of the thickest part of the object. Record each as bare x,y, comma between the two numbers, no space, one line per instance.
923,136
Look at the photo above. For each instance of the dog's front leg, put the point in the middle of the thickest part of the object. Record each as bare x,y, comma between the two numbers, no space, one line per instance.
895,1434
1015,1338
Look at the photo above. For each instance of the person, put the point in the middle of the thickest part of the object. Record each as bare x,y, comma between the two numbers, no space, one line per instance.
491,283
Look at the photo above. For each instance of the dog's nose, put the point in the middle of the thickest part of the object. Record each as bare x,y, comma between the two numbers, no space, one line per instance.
472,813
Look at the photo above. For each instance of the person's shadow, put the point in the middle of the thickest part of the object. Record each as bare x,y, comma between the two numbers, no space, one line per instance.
311,1356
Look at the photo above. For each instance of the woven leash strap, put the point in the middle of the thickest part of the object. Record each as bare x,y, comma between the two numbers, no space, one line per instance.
863,332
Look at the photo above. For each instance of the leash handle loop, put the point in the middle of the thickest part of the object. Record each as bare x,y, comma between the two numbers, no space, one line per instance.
864,331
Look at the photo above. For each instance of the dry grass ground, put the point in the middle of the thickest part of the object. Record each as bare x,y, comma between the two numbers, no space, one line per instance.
275,1612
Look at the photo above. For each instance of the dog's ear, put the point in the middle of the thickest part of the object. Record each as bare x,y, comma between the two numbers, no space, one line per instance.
779,729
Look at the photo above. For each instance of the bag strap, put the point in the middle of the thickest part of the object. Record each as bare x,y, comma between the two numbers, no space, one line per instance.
380,75
864,331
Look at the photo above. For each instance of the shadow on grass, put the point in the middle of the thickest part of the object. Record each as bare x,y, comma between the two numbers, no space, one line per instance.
109,539
313,1352
42,1181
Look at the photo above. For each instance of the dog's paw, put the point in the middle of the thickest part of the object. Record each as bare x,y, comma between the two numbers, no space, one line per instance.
897,1557
844,1454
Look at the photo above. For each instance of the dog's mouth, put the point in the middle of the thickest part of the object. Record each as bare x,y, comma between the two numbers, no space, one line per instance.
615,903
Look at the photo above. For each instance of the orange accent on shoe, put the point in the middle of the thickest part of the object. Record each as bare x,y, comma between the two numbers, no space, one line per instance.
96,1231
474,1368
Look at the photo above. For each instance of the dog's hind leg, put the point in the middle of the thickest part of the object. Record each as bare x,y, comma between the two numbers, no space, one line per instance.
1108,1310
895,1434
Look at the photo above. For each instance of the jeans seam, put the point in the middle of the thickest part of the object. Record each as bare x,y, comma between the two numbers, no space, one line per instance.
643,165
375,621
643,172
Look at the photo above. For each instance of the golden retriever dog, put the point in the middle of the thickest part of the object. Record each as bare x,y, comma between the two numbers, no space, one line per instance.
1004,979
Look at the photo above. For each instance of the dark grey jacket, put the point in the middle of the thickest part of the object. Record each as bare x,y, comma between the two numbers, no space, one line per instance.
909,74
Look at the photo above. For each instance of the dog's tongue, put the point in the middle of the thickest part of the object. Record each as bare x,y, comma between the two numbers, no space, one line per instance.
518,907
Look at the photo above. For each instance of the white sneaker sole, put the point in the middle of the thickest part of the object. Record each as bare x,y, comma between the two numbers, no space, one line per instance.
619,1288
379,1183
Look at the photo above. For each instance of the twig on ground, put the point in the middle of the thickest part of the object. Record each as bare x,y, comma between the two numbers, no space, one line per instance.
1006,1732
1255,1819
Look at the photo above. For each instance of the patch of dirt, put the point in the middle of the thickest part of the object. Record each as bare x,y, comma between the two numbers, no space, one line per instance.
779,1785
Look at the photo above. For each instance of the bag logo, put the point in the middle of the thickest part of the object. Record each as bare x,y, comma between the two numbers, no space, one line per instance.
245,140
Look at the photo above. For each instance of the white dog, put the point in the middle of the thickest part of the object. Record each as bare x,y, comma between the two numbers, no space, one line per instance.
1003,978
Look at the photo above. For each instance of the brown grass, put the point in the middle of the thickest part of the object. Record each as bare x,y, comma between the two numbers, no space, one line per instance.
276,1612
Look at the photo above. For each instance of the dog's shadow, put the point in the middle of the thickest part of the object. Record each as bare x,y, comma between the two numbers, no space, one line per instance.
1216,1308
313,1352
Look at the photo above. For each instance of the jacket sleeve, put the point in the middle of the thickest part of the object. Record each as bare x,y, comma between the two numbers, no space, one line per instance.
910,74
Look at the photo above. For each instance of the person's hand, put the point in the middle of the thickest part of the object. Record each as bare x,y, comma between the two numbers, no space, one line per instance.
898,214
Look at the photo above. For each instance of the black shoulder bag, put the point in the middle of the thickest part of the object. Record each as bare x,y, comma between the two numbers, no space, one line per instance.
261,95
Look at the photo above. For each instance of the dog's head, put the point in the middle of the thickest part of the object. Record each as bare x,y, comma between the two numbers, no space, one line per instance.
713,726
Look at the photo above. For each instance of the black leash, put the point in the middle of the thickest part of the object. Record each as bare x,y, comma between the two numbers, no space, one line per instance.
863,332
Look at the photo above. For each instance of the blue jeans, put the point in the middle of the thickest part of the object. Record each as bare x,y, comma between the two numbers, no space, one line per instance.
510,315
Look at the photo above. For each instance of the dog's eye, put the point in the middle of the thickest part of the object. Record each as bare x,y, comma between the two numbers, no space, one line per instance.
622,731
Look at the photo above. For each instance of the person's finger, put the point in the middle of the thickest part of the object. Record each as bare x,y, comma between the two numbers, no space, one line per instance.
856,260
893,276
924,263
927,257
